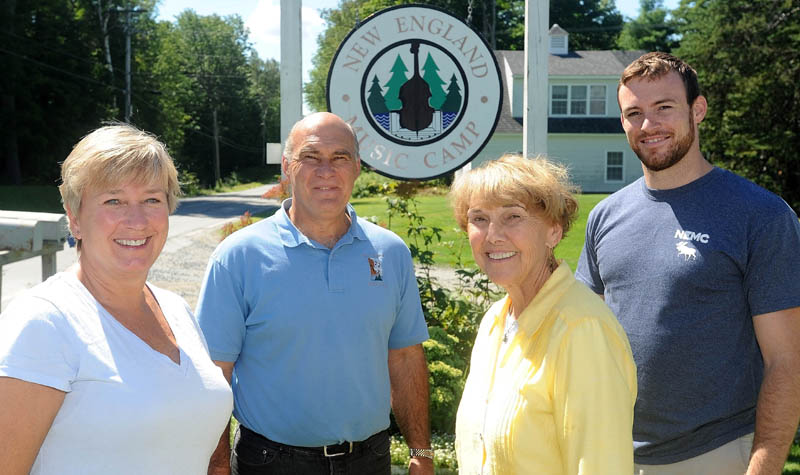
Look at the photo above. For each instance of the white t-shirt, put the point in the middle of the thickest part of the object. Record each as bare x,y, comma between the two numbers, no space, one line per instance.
128,409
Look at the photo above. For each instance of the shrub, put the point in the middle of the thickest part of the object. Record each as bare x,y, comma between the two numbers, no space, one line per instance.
279,192
231,226
370,183
190,184
446,376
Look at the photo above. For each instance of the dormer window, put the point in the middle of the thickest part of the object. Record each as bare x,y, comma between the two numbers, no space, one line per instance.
558,40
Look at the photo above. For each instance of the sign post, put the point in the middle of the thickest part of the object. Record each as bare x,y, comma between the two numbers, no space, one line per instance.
534,119
291,68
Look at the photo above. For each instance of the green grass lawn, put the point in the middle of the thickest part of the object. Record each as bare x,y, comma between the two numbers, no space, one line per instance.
792,466
454,245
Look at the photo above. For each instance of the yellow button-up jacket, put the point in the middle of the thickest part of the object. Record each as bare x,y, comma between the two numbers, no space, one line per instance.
560,399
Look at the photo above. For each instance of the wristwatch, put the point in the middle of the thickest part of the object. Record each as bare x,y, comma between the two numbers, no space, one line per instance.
427,453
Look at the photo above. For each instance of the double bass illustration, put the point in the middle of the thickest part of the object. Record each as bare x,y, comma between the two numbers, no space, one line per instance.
416,114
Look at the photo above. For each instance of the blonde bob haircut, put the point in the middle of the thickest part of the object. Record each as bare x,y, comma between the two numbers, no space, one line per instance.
542,186
114,155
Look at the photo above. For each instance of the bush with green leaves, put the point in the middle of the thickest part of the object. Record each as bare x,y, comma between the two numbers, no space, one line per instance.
452,315
190,184
370,183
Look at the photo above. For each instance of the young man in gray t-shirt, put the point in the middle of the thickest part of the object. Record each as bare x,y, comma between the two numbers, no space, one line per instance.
702,268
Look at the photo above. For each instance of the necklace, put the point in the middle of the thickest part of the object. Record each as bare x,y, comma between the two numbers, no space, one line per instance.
511,328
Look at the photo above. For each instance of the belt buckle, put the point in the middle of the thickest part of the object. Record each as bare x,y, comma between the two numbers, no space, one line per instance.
325,451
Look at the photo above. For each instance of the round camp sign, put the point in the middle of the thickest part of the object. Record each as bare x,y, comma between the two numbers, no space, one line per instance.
421,89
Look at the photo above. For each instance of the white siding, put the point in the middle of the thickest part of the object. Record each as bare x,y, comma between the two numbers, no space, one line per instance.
499,145
584,154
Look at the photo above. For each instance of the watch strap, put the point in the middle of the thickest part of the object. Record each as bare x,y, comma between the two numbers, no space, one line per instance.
427,453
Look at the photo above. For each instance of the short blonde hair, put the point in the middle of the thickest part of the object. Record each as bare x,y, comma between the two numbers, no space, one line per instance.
112,155
539,184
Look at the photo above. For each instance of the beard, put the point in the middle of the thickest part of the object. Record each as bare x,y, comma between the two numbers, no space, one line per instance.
657,161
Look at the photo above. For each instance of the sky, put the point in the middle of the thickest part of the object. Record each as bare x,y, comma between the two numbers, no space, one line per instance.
262,17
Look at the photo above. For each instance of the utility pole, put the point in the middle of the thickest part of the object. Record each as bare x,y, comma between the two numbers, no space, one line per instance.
128,67
217,177
128,16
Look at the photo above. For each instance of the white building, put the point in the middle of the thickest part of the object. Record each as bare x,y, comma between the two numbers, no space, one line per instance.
584,130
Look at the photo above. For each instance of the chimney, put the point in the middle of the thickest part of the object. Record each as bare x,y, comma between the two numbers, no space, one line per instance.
559,39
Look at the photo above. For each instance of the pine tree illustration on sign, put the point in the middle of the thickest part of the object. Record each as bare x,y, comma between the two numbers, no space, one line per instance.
377,104
452,104
394,84
436,84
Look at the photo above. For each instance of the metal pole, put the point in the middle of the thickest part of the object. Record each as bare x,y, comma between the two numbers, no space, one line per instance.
216,149
534,119
291,66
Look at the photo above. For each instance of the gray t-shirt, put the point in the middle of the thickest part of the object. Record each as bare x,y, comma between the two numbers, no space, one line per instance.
685,270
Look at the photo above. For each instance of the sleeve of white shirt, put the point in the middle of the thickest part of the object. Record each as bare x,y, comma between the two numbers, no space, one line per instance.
37,344
594,394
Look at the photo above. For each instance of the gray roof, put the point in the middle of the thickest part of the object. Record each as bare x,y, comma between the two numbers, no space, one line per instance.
576,63
505,123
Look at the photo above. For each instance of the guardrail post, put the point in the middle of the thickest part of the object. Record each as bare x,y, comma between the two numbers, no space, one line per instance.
26,234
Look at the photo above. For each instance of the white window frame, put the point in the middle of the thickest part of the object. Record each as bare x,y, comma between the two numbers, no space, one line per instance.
587,100
621,166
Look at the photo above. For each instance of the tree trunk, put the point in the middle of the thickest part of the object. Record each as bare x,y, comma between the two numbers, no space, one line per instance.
8,110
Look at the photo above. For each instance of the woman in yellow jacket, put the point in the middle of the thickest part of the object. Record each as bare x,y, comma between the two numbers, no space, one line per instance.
552,381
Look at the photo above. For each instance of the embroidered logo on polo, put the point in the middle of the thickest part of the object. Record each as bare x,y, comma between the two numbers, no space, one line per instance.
375,268
685,250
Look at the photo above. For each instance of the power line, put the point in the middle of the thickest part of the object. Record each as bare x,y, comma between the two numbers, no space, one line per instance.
64,71
55,50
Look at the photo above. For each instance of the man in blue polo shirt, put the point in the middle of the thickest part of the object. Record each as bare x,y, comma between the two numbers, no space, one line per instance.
314,315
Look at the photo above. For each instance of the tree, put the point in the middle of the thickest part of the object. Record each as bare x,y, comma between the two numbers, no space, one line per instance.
651,30
394,84
377,104
592,24
453,101
748,61
54,87
62,78
431,76
205,61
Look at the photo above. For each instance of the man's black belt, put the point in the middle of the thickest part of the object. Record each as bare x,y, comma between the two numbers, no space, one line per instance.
335,450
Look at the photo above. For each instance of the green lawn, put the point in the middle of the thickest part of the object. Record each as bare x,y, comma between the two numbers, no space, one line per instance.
437,213
792,466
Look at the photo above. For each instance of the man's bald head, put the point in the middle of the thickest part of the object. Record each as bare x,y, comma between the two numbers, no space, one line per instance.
312,122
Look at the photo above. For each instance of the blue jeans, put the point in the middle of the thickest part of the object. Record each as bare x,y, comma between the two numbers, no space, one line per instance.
254,454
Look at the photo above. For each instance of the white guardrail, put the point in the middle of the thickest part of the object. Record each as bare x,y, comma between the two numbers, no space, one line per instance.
26,234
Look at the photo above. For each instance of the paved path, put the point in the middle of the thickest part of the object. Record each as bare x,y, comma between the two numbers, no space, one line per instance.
193,234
